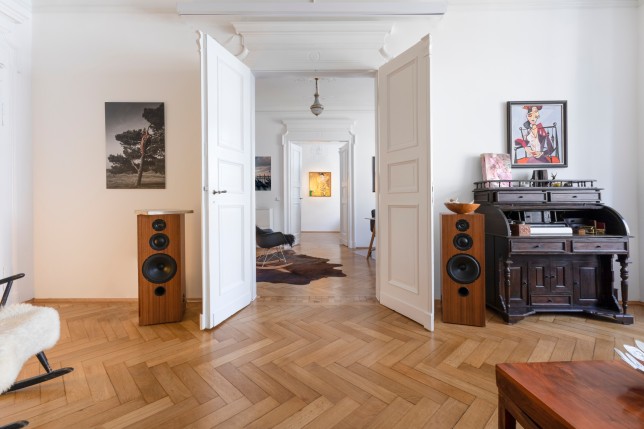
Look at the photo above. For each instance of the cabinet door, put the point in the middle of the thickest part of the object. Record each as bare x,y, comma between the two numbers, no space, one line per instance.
518,284
560,278
587,282
546,277
539,276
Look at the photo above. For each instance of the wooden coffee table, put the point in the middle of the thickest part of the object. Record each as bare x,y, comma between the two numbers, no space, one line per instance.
587,394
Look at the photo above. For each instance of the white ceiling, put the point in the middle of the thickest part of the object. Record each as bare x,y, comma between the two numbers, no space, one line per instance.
300,36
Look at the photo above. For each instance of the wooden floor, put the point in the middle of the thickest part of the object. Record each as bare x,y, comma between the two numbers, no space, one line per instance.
325,355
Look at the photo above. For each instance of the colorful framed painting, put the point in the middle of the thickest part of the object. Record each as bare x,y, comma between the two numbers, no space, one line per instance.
319,184
537,134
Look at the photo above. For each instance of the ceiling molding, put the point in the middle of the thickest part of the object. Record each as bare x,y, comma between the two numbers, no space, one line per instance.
544,4
314,45
16,11
314,9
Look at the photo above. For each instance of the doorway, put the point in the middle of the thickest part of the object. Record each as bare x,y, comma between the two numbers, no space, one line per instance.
404,209
328,131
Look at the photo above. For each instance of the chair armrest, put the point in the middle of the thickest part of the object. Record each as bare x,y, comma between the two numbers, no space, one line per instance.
7,290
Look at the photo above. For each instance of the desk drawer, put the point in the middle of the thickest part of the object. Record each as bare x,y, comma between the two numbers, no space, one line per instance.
525,197
551,299
599,246
534,246
576,196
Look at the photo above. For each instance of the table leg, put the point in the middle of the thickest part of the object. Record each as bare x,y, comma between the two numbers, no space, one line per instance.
506,419
373,235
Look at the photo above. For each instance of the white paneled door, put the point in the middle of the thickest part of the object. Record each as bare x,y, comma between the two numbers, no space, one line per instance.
404,250
295,189
344,194
228,215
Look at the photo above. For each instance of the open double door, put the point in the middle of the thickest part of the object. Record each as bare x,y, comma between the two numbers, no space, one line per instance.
404,211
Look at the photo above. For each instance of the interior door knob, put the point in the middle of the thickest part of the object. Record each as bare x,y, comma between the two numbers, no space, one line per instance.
218,192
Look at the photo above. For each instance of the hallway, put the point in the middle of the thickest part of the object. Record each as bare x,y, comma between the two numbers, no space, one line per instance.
359,284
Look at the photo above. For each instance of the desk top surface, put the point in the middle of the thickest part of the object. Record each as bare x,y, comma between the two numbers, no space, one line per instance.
584,394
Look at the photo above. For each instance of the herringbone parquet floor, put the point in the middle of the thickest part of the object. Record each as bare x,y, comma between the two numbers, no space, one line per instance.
325,355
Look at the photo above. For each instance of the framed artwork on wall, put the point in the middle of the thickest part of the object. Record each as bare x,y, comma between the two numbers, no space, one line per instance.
262,173
319,184
135,145
537,134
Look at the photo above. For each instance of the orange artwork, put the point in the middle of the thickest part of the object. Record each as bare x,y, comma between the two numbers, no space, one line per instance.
319,184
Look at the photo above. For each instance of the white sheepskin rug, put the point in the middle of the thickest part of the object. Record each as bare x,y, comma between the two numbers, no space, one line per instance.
24,331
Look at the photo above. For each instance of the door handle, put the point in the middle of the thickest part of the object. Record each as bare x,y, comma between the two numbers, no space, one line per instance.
218,192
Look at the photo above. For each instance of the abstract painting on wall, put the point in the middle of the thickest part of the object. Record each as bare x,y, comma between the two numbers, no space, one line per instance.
319,184
135,145
262,173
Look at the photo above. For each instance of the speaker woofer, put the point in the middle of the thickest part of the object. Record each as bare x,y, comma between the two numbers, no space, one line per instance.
159,241
463,268
159,268
463,241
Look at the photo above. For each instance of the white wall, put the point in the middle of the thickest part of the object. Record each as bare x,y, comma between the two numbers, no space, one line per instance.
640,159
85,235
16,190
321,213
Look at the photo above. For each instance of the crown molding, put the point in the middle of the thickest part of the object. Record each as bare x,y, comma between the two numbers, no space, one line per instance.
105,6
314,9
545,4
15,10
313,45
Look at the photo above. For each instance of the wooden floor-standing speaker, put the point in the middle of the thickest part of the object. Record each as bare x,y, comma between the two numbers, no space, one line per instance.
463,272
162,277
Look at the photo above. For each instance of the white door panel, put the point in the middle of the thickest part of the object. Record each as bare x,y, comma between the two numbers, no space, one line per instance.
228,203
404,252
344,195
295,157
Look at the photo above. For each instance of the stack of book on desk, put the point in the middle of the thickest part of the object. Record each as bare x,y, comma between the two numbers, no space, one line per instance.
550,229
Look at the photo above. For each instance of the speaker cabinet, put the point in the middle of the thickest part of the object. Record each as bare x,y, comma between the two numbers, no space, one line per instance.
463,268
162,284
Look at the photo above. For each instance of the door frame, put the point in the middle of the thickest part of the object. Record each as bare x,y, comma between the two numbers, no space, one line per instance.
319,130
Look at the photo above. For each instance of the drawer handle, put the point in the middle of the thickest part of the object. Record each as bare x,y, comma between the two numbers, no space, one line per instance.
598,246
549,300
520,196
536,246
574,196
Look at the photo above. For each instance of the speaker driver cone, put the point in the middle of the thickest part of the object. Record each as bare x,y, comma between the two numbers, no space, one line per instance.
463,241
462,225
159,241
463,268
159,268
158,224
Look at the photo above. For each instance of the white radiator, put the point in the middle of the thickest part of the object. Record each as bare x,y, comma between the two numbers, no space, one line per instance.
264,218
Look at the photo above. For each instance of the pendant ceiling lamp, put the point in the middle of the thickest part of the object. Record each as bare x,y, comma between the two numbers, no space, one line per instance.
316,107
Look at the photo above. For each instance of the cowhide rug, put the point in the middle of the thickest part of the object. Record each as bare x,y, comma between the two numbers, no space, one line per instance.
303,269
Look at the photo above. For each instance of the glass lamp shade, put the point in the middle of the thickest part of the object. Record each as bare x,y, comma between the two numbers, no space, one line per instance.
316,107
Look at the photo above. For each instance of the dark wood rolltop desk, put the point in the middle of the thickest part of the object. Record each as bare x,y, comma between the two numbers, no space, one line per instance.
566,263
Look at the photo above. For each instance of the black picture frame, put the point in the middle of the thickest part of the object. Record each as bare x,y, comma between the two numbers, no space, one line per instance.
537,134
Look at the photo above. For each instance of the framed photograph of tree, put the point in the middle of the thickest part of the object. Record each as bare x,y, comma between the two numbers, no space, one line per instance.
537,134
135,145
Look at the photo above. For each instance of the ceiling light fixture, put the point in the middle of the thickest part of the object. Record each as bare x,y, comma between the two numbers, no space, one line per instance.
316,107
